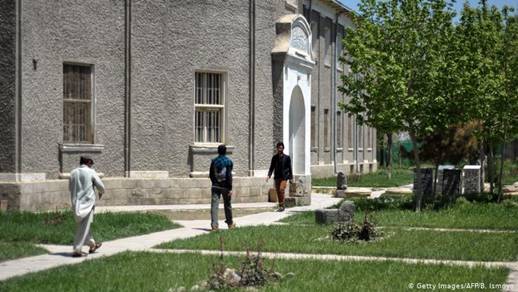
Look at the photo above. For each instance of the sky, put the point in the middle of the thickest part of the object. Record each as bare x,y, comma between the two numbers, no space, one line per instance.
353,4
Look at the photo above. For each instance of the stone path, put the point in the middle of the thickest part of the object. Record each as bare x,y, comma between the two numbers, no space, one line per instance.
59,255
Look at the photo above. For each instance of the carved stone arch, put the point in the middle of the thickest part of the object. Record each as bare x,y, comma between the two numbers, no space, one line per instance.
292,63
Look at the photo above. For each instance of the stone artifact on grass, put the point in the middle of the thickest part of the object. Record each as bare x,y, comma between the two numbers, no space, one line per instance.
345,213
341,185
471,179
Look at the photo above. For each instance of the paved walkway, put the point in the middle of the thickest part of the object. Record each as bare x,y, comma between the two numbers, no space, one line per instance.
59,255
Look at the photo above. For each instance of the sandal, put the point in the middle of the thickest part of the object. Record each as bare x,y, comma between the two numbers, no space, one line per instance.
95,247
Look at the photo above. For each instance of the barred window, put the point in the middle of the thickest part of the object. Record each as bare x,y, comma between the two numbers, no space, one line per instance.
339,130
313,127
209,107
77,104
326,129
349,132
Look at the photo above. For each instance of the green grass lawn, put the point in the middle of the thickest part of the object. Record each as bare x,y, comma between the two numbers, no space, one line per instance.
463,214
161,272
13,250
59,227
397,242
377,179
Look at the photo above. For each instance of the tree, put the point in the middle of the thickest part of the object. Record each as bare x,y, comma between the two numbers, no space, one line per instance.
488,70
452,145
402,70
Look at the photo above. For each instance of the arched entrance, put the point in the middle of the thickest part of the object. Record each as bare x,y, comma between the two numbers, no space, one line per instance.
292,63
297,130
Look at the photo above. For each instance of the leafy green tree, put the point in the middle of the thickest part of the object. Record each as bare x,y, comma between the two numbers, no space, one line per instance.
488,70
402,68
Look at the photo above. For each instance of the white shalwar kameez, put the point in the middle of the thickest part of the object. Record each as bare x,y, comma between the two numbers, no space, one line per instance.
82,196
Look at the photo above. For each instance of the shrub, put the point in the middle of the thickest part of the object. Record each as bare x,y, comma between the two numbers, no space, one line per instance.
352,232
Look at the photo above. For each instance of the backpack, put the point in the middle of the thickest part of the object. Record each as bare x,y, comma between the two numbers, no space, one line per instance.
221,175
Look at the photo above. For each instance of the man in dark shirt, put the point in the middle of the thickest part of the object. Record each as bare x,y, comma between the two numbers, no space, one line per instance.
281,168
220,174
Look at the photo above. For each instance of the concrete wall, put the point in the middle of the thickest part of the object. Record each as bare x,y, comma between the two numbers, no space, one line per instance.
86,32
363,159
267,12
53,194
7,85
171,41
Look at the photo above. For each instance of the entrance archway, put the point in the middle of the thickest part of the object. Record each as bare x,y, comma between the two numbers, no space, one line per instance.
297,131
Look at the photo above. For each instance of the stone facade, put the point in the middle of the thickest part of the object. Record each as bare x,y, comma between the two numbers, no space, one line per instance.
144,56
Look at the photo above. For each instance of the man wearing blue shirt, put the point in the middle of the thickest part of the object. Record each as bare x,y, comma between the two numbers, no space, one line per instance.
220,174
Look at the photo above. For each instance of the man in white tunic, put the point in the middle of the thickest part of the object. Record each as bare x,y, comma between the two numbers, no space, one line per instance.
82,195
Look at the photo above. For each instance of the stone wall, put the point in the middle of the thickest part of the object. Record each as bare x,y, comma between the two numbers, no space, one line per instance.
53,194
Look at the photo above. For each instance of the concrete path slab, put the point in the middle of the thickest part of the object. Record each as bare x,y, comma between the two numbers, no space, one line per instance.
186,207
61,255
334,257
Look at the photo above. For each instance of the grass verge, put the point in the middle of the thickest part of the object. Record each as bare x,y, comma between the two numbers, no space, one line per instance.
463,214
161,272
14,250
377,179
59,227
397,242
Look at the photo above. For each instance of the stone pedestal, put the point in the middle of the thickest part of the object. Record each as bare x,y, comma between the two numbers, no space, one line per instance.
424,184
440,175
344,214
340,193
451,184
300,192
471,179
326,216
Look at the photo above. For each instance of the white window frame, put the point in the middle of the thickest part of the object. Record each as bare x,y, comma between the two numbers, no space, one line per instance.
209,107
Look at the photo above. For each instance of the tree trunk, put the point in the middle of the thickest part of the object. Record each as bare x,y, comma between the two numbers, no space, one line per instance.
435,176
482,167
418,190
501,173
389,155
490,168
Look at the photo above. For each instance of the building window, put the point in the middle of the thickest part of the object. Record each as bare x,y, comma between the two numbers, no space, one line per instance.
313,127
77,104
339,130
349,132
315,20
339,47
327,40
369,140
209,107
326,129
360,136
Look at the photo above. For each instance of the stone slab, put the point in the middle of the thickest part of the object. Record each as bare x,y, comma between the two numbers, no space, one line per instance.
326,216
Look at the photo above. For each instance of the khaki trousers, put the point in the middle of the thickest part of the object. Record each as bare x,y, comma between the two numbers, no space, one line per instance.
280,188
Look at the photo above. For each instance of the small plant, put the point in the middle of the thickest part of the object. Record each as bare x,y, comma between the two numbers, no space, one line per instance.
352,232
251,273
